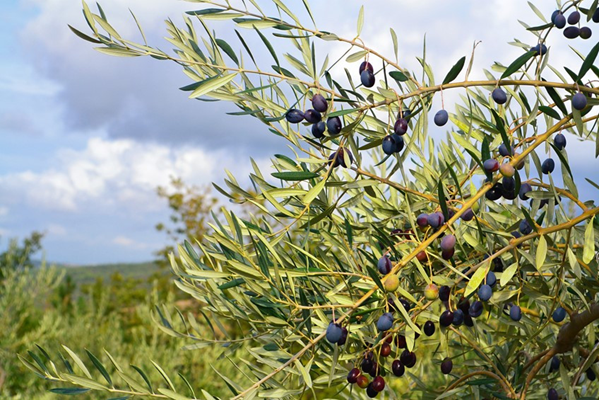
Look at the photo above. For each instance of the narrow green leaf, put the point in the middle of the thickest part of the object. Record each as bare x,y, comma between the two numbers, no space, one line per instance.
294,175
454,71
588,61
518,62
314,191
343,112
477,278
537,11
541,253
99,366
205,11
117,51
144,377
395,42
360,20
227,49
398,76
269,47
442,200
508,274
549,111
69,391
172,395
556,99
78,361
83,35
357,56
589,242
211,84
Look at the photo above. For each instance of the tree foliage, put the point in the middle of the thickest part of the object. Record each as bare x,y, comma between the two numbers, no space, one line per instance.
335,224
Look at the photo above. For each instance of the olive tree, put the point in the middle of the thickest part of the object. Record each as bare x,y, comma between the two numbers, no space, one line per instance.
400,266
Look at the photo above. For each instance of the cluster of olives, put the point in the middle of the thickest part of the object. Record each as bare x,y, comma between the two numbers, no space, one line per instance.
313,116
574,30
333,126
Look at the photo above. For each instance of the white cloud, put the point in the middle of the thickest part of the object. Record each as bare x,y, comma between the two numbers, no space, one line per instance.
127,242
118,173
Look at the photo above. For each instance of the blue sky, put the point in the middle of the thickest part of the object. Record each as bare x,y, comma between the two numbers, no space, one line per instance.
85,138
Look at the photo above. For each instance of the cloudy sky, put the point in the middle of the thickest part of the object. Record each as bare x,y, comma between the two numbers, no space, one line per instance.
85,138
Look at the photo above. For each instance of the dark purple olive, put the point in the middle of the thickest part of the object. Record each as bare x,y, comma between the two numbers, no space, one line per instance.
399,143
525,188
448,242
367,365
352,376
398,368
476,309
446,318
579,101
591,375
525,227
334,125
559,21
499,96
343,338
571,32
441,117
444,292
503,150
586,32
370,391
422,220
318,130
294,116
491,165
388,145
384,265
495,192
378,384
401,126
458,317
559,141
312,116
548,166
429,328
574,18
485,292
367,78
446,365
552,394
436,219
515,313
447,254
559,314
596,15
333,332
554,366
467,215
407,358
338,158
366,66
491,279
400,341
319,103
539,49
468,321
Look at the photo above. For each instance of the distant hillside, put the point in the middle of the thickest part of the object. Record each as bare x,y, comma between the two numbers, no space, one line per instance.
89,274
